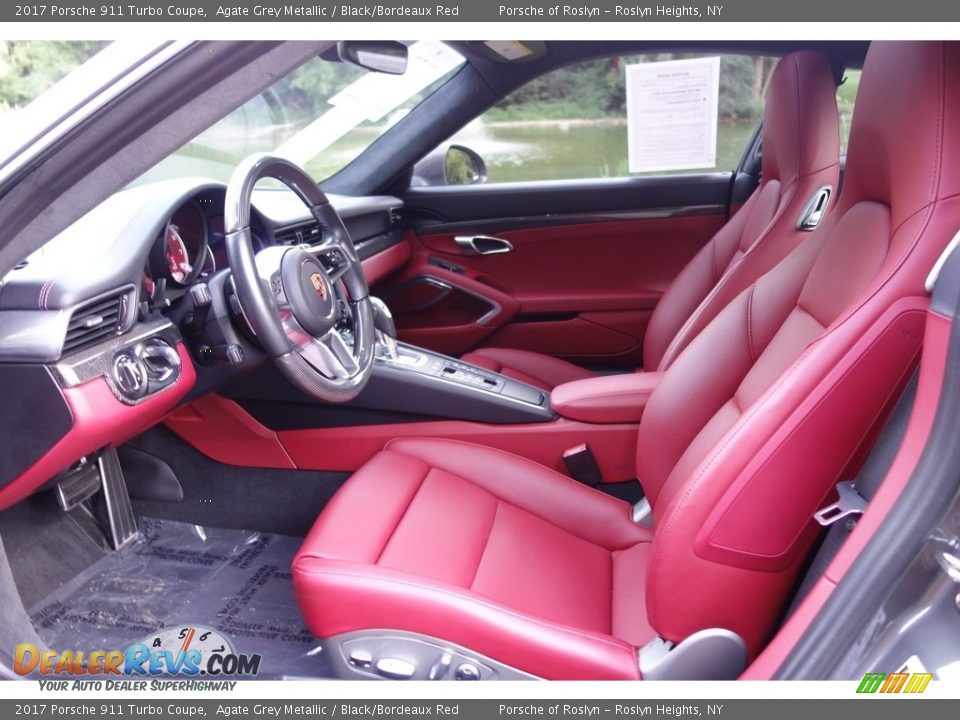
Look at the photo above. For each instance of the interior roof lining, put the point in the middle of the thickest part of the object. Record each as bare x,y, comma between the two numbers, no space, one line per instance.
500,76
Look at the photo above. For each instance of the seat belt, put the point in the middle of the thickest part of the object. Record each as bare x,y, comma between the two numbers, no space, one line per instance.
841,517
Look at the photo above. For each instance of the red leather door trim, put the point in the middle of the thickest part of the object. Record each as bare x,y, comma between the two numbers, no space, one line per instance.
610,274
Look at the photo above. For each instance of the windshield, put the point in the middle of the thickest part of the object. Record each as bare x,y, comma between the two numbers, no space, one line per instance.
320,116
29,67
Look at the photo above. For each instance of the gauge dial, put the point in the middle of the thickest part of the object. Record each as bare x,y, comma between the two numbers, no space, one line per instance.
178,259
185,249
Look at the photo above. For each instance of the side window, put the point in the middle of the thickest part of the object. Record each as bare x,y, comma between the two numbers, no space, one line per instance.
573,122
846,96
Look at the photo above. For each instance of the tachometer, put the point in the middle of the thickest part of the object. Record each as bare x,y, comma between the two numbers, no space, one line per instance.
185,251
175,251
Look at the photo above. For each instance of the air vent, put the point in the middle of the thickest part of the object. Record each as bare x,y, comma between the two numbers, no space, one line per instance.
96,321
308,234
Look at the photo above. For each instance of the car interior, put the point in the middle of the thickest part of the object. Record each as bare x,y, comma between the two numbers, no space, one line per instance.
387,428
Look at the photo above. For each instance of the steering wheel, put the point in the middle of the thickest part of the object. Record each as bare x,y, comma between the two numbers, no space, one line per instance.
320,338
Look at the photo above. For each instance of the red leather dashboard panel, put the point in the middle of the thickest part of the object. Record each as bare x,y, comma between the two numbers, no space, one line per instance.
222,430
99,419
350,447
386,262
225,432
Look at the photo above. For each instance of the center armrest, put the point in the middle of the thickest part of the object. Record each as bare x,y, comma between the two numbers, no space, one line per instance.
606,399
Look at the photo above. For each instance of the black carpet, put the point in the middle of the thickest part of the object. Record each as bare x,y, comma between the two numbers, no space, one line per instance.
184,586
286,502
44,546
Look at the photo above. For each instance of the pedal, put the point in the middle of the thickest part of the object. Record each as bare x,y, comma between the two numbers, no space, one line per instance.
78,486
120,520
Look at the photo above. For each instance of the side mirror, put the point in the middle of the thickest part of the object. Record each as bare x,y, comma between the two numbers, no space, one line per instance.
462,166
457,165
384,56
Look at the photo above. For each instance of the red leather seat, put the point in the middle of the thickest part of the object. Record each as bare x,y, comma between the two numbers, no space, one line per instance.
481,546
741,441
800,156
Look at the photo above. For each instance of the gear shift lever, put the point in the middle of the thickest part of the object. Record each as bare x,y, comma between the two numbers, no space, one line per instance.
386,329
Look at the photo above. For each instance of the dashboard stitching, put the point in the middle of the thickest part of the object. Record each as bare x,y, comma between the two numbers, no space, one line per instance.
44,294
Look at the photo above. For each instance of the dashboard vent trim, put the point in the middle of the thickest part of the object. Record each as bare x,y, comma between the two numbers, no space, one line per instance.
309,234
97,320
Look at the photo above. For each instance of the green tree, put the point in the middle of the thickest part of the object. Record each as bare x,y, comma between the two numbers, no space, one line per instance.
596,89
28,67
304,93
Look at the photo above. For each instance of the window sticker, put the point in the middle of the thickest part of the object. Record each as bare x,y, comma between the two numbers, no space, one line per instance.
672,114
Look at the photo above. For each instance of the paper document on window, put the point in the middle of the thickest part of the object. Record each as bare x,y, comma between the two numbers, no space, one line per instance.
672,114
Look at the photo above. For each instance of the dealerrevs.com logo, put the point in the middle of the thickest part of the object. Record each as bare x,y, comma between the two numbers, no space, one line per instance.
190,650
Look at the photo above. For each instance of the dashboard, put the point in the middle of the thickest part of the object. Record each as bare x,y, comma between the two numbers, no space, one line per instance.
130,313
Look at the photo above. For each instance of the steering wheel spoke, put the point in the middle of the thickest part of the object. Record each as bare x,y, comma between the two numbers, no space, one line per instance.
331,355
292,297
333,259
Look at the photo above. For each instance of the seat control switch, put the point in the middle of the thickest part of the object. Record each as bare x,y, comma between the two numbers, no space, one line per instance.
361,659
467,671
395,668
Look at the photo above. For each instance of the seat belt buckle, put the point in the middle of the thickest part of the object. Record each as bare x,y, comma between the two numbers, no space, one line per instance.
849,502
582,465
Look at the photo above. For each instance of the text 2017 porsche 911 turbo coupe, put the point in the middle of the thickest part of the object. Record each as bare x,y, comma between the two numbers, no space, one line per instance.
582,360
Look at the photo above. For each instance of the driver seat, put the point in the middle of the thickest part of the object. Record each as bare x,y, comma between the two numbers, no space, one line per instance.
740,443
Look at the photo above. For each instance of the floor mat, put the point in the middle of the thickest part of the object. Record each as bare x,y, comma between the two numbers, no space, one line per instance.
185,576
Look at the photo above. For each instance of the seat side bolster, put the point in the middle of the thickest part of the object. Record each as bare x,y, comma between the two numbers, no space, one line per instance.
361,518
582,511
534,645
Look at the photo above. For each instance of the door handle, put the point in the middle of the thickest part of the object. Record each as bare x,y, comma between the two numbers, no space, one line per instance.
482,245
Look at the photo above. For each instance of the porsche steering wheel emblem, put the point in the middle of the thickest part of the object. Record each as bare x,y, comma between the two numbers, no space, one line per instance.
318,285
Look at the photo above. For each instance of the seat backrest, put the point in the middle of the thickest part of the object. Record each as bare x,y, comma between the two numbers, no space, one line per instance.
800,156
765,410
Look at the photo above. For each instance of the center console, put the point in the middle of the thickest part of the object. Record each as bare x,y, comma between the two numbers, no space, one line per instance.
412,378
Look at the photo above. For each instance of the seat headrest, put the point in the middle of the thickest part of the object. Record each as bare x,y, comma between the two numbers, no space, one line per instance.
801,127
905,132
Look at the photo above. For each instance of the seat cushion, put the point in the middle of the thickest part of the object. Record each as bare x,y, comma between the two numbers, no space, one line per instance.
484,549
540,370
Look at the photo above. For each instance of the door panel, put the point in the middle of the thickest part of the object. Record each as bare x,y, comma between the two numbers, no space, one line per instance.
588,263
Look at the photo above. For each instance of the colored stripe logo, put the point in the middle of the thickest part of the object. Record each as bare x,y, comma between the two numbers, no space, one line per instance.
894,683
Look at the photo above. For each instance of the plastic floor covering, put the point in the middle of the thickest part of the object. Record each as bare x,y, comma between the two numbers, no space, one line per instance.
178,576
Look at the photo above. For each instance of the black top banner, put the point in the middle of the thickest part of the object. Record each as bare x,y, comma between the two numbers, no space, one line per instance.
509,10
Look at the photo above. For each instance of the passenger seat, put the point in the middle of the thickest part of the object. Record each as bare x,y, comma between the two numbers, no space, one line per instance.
800,147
